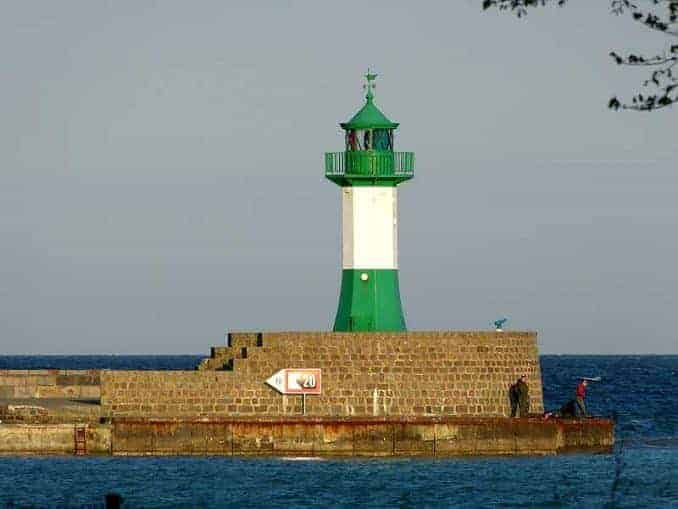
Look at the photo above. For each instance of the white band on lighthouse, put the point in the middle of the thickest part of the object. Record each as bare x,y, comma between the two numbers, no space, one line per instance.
369,228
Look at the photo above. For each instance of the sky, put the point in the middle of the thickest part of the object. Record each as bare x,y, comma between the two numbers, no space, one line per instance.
162,180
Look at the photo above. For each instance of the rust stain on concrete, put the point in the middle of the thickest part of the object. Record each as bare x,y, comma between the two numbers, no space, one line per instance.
315,436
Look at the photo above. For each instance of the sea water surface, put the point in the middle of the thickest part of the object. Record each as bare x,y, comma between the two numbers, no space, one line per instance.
640,391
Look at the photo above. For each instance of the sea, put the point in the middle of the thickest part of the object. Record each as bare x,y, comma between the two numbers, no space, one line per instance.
639,392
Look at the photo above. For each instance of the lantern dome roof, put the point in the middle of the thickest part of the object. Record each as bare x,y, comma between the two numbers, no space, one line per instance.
369,116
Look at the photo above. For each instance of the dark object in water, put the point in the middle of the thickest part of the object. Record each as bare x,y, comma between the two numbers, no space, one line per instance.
113,501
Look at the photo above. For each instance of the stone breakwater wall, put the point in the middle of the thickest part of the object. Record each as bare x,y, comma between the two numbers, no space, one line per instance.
49,383
439,373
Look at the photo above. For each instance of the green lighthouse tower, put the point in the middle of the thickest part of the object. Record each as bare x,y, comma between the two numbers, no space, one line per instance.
369,171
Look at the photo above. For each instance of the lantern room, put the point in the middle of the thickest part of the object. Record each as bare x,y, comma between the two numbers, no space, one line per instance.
369,157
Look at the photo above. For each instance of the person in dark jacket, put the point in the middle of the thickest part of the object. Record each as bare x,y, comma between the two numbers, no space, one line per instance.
568,410
513,398
519,396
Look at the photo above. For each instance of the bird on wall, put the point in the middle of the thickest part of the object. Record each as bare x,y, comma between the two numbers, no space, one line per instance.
499,324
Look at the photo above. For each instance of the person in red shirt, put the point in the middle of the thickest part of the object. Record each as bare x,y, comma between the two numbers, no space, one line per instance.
580,394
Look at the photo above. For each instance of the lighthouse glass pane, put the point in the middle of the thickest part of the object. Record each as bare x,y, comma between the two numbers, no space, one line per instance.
352,140
359,139
367,139
382,139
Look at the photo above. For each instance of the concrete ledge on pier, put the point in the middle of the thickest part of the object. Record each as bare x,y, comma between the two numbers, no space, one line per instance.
62,439
49,411
325,436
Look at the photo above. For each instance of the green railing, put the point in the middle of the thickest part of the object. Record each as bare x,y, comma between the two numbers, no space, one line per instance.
369,163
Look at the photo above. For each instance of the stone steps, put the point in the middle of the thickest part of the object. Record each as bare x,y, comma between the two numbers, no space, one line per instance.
240,344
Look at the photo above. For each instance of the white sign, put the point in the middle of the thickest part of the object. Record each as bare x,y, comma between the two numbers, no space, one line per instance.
297,381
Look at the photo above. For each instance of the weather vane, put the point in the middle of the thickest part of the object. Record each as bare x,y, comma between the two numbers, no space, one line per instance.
370,85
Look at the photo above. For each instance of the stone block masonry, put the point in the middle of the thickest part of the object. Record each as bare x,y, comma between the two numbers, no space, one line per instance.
49,383
438,373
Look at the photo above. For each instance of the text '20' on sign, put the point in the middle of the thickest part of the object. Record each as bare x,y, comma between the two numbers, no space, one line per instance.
297,381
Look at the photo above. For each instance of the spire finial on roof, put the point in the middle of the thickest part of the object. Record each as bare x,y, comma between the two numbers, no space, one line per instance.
369,84
369,116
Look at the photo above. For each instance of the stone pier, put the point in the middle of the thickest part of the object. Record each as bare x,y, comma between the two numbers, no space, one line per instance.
437,393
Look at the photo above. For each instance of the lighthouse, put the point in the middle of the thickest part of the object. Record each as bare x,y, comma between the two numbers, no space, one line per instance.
368,172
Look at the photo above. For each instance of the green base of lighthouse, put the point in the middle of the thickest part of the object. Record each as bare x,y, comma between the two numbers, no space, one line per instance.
369,301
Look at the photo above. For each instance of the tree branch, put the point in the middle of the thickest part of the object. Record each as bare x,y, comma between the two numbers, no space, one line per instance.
634,60
653,107
662,79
